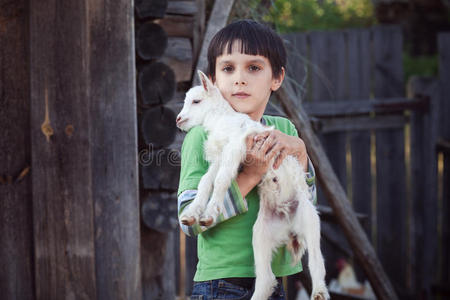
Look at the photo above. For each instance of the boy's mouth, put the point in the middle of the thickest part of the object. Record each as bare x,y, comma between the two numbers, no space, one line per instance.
240,95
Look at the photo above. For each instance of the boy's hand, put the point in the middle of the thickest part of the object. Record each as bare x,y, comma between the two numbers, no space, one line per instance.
260,152
282,145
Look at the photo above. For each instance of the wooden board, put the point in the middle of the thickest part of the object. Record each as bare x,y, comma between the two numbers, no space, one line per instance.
179,57
16,219
328,82
297,63
444,132
392,234
359,70
424,187
85,183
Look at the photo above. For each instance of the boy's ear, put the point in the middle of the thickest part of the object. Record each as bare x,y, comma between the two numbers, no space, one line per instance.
276,82
207,84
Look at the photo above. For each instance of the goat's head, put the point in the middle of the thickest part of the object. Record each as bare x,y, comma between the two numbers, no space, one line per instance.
199,102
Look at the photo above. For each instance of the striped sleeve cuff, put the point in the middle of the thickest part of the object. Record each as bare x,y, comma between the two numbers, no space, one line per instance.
311,182
234,205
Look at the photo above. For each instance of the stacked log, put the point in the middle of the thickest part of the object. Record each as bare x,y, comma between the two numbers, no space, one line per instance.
167,39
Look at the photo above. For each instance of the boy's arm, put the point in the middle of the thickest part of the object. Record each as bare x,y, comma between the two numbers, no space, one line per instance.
234,203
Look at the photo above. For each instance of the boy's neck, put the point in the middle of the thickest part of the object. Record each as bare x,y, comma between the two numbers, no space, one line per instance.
257,115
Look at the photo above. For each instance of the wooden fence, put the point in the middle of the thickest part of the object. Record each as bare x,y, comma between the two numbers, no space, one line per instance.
390,152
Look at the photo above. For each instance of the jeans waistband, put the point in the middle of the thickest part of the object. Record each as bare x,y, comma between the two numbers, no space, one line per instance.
246,282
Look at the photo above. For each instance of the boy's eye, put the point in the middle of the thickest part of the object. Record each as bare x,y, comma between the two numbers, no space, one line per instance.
254,68
196,101
227,69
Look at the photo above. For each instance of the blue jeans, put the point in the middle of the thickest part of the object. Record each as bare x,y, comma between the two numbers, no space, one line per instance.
220,289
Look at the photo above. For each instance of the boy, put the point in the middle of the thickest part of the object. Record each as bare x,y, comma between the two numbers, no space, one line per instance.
246,61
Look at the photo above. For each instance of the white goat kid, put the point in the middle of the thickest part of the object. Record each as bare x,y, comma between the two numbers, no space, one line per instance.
286,216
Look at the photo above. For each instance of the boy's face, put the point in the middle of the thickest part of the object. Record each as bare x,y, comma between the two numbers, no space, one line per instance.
246,81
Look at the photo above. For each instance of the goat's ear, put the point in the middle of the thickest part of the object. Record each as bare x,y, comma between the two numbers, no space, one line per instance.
207,84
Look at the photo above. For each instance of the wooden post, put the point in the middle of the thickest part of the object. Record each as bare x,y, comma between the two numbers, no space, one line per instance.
16,226
84,150
337,198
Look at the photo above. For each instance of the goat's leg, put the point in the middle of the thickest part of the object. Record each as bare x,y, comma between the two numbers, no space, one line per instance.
229,165
193,211
311,231
296,246
263,245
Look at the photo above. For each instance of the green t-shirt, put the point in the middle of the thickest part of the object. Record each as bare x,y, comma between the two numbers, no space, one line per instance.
225,250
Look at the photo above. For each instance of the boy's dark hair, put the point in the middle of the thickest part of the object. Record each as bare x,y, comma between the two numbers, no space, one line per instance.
256,39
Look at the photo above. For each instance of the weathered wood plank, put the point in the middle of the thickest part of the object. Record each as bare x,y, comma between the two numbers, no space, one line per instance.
179,57
338,199
330,62
188,8
328,58
177,26
392,234
150,8
424,186
297,65
16,227
360,123
444,132
364,105
63,206
114,143
85,191
359,88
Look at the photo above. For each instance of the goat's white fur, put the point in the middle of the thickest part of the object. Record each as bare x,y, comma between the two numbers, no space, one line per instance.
286,216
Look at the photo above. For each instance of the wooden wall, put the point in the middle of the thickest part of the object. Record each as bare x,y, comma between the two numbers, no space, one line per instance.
71,225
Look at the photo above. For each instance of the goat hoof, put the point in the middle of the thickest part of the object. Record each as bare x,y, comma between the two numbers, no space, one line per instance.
206,221
188,221
321,296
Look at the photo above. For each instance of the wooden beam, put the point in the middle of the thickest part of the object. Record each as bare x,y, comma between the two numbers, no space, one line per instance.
16,214
337,198
217,20
327,109
356,123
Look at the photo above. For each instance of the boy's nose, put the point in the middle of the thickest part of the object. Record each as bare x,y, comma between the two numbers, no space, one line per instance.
240,82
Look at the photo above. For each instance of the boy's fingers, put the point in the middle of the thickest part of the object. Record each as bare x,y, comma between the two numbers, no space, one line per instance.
279,159
268,143
262,135
249,141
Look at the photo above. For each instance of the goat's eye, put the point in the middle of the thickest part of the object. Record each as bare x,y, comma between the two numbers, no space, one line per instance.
275,179
196,101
